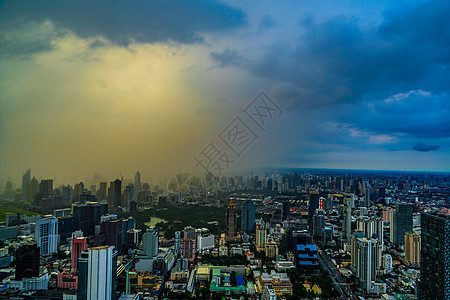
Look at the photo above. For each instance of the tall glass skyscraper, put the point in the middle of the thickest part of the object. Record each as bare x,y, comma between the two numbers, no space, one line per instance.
26,178
248,216
435,256
401,222
313,203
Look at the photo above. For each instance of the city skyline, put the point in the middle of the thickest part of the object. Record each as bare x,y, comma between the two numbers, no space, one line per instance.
269,230
148,86
180,178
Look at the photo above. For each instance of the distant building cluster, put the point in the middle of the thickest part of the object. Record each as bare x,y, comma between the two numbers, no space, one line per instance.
299,235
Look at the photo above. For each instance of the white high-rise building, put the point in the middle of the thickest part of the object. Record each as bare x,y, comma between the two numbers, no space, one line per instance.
366,263
372,227
150,242
101,273
205,242
46,235
365,260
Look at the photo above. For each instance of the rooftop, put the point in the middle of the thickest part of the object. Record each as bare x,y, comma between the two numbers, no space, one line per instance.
307,247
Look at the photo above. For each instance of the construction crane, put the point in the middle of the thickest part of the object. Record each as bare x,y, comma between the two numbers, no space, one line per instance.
121,176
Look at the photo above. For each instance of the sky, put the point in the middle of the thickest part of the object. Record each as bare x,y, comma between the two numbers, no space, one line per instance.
91,88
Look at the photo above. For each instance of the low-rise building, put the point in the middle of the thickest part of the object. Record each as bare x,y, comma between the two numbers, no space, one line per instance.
280,282
269,293
66,280
283,265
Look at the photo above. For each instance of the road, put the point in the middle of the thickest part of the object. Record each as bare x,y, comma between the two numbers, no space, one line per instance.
338,281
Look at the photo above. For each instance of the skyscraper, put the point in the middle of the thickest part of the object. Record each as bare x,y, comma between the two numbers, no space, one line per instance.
67,194
78,246
27,261
137,183
101,193
25,184
231,220
367,201
412,248
9,190
34,188
370,226
87,216
188,249
366,261
189,232
401,223
355,236
49,186
277,215
97,274
347,221
78,191
45,189
286,209
269,184
113,230
93,189
177,243
434,256
261,235
117,193
150,242
47,235
318,223
128,195
248,216
387,214
328,203
313,203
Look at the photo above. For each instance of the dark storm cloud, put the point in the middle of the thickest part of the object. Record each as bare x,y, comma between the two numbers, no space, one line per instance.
21,41
424,148
23,48
339,61
419,113
227,58
338,54
123,22
318,72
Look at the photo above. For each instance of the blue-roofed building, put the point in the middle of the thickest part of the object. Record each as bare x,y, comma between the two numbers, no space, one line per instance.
306,256
239,280
307,247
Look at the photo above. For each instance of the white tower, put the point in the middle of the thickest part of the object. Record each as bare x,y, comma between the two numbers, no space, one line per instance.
101,269
46,235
